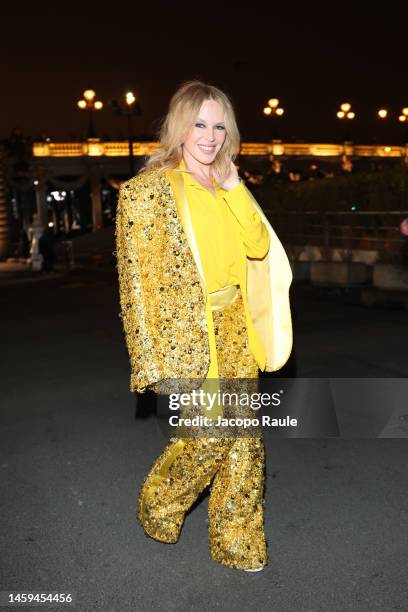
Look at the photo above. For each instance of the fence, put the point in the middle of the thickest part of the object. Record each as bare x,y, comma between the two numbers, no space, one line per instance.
345,213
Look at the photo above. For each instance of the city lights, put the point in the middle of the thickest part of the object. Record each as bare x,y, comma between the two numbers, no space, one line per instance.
345,111
130,98
273,110
89,103
273,107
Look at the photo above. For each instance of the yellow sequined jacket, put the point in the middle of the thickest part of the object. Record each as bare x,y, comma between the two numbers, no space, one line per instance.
165,309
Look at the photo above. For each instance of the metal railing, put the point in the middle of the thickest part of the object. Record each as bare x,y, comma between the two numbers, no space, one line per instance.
359,230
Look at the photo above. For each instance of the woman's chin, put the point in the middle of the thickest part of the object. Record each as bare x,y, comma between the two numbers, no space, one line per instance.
206,159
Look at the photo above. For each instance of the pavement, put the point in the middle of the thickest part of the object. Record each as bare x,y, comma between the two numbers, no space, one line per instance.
75,445
16,271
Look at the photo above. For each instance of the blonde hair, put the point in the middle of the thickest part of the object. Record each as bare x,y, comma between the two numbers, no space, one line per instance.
183,109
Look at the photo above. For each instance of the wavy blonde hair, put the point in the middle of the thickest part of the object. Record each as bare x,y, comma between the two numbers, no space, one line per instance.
183,110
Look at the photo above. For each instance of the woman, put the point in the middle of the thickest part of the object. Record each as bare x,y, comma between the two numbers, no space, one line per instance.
204,285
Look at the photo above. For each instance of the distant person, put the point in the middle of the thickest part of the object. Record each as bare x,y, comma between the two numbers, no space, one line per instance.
404,227
35,231
23,245
47,249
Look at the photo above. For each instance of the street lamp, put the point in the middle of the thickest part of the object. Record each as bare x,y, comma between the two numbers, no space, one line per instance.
382,114
90,104
273,110
129,108
404,115
345,113
403,118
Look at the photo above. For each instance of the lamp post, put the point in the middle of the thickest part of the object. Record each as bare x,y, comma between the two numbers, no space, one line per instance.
346,114
128,109
382,115
273,110
90,104
403,118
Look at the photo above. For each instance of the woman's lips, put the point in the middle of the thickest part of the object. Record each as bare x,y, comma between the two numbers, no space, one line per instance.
207,150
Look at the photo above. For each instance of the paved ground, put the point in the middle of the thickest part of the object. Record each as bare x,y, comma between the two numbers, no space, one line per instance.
75,448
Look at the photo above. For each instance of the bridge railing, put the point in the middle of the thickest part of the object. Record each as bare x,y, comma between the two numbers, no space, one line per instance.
355,212
346,231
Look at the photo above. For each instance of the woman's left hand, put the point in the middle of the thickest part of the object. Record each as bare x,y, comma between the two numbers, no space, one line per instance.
232,179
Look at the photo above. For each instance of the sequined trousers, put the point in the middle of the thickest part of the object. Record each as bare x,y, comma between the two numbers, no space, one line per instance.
233,468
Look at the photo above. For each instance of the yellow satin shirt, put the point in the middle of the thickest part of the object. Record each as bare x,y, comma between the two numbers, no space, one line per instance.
227,229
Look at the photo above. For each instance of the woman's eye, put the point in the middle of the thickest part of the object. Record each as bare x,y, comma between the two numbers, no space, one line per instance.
220,127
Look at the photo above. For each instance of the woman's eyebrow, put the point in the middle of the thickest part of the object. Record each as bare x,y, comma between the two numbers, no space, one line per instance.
218,122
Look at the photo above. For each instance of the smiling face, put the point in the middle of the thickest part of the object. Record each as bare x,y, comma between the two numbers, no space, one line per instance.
207,135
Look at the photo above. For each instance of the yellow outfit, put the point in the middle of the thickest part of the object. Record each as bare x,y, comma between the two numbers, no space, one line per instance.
221,224
177,247
166,308
227,230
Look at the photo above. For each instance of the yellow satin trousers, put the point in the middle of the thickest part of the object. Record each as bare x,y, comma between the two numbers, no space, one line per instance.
232,467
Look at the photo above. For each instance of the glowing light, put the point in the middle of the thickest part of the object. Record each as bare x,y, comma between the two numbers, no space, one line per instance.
345,107
98,105
273,102
405,111
59,196
267,110
279,111
130,98
402,118
340,114
351,115
382,113
387,149
89,94
82,104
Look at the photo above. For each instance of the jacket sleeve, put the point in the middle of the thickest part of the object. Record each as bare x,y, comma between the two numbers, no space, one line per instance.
254,233
130,289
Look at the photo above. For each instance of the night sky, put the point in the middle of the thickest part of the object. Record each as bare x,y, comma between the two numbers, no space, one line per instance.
311,58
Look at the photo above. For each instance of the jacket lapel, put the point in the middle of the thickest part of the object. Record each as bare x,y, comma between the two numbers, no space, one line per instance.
177,183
